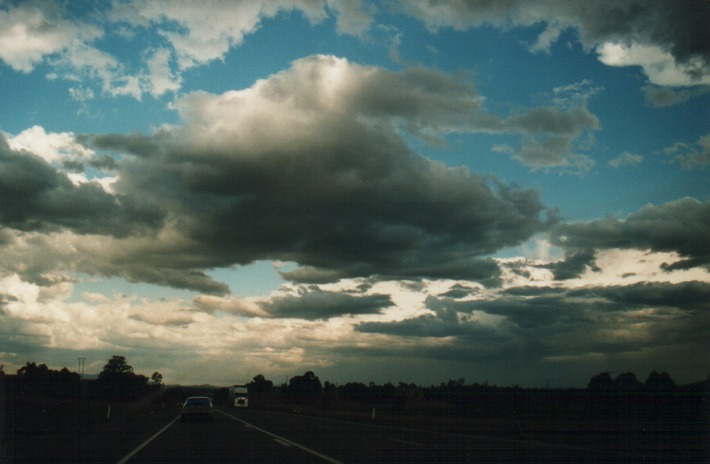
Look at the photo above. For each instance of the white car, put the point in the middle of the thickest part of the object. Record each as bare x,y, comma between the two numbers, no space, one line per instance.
197,407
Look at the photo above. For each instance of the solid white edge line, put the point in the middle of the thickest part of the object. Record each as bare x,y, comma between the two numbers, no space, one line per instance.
145,443
285,440
282,443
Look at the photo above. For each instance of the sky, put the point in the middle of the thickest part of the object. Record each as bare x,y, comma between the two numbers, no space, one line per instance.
405,191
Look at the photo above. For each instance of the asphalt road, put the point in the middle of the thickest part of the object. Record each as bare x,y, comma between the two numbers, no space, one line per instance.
246,435
249,435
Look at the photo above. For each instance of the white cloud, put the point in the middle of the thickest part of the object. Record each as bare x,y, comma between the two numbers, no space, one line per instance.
626,159
575,95
353,17
32,33
658,64
628,266
160,78
29,33
81,62
206,34
53,147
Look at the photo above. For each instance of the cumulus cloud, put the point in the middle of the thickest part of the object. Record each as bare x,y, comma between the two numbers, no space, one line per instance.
34,32
691,156
668,39
36,196
659,65
550,133
84,62
543,326
206,34
553,136
626,159
52,147
659,96
441,322
679,226
687,296
424,102
228,304
30,31
320,304
308,166
196,35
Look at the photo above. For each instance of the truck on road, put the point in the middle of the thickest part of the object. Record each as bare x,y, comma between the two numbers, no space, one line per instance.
239,396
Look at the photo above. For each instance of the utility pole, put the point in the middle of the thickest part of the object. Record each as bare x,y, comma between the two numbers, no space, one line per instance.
81,366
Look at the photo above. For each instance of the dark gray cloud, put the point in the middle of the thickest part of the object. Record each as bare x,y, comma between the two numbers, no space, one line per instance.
443,323
680,226
293,169
692,295
353,208
678,27
540,312
691,156
17,335
575,263
460,291
666,96
320,304
38,197
550,134
164,271
541,326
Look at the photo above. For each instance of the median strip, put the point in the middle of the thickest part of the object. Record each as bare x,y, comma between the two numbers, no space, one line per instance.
283,440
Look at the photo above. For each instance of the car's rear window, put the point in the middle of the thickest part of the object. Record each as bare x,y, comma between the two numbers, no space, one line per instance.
197,402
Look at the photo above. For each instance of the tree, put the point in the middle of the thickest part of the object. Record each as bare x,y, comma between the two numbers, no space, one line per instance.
627,381
41,379
601,382
34,378
659,382
329,392
306,386
259,384
118,381
156,378
116,367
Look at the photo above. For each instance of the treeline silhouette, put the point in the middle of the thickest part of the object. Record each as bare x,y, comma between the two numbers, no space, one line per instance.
623,397
605,397
116,381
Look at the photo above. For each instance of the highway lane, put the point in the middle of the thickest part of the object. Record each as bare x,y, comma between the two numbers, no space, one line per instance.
250,435
351,441
222,440
247,435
